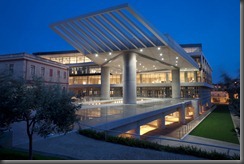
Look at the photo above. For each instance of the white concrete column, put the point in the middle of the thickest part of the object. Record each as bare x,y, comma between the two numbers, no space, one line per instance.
161,122
195,105
135,133
129,78
105,83
182,114
176,83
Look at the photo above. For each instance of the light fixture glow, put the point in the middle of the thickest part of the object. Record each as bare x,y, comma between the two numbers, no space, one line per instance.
162,58
96,55
141,50
161,54
105,59
159,48
110,53
177,57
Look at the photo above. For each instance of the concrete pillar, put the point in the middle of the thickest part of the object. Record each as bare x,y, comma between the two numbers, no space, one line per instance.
129,78
105,83
195,105
176,83
182,114
167,77
135,133
161,122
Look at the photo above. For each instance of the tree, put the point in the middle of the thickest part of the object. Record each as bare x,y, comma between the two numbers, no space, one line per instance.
46,109
232,87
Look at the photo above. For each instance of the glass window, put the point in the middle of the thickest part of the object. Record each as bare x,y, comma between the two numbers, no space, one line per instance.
115,79
71,80
33,71
93,70
80,59
94,79
190,77
182,76
58,73
42,71
65,60
51,73
87,59
72,60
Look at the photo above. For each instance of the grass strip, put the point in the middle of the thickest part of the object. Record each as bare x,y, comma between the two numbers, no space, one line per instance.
218,125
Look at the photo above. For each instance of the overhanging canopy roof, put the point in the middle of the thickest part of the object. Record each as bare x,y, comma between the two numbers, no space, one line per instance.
112,31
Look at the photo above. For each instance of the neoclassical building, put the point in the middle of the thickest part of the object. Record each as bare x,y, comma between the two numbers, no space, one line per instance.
27,66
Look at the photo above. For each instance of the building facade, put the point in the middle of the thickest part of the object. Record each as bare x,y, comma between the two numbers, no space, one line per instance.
27,66
85,77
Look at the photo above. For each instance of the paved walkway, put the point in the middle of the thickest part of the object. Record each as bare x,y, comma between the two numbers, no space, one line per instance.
80,147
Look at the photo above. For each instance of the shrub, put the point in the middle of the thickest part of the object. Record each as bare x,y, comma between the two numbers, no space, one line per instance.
189,150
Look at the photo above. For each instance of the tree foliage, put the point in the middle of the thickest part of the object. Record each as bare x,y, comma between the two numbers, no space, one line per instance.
46,109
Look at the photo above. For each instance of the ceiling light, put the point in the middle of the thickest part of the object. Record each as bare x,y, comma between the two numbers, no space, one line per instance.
105,59
110,53
141,50
96,55
159,48
162,58
176,61
161,54
176,64
177,57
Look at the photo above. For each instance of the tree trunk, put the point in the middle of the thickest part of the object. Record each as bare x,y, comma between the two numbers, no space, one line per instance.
30,147
29,133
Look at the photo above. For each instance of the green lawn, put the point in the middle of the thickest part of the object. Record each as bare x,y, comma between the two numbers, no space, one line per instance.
12,154
218,125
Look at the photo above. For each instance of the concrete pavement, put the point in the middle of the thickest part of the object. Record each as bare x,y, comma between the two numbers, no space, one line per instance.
80,147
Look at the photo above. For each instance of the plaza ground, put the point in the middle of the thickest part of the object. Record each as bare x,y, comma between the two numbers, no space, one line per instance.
76,146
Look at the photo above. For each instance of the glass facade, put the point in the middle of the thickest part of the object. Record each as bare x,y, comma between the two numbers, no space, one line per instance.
86,78
69,59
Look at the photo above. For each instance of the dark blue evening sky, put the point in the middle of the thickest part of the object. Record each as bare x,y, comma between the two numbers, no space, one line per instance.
24,25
